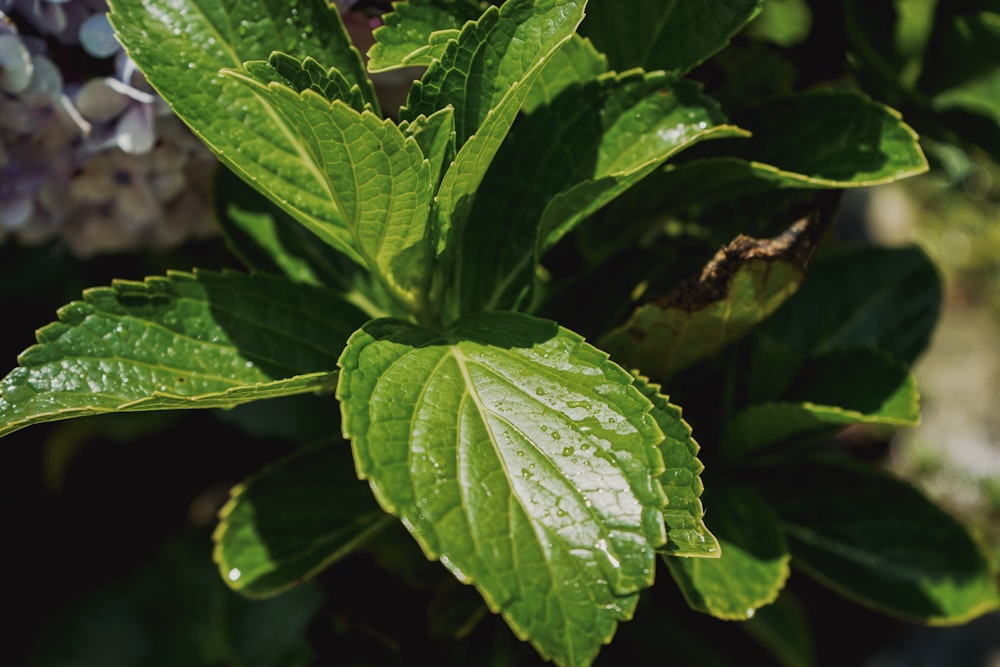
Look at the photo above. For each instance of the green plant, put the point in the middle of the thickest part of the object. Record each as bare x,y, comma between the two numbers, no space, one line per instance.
418,268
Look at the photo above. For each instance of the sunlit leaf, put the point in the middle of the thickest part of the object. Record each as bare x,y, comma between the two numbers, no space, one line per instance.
416,32
522,459
376,176
687,534
181,48
184,341
486,74
566,160
754,563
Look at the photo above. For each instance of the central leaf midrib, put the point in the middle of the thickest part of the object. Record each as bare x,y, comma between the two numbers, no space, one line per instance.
483,410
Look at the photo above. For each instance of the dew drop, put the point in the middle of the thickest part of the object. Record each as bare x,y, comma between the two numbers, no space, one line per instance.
234,574
568,451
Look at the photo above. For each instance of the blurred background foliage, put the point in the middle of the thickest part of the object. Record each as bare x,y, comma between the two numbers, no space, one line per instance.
112,516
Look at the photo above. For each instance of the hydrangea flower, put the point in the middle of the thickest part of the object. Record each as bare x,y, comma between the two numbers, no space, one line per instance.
98,161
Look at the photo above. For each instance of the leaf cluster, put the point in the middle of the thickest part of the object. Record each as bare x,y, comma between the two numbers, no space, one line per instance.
561,172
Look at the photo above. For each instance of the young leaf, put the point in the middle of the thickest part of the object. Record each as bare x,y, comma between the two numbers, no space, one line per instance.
377,177
182,46
743,284
857,385
672,35
898,317
486,74
565,161
754,563
185,341
681,481
878,540
307,74
293,518
520,457
416,32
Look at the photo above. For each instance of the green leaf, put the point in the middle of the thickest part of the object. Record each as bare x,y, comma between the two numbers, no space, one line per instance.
377,177
290,520
184,341
522,459
486,74
565,161
846,386
687,534
307,74
435,134
826,139
879,541
888,298
743,284
182,46
754,563
576,63
416,32
671,35
266,239
786,22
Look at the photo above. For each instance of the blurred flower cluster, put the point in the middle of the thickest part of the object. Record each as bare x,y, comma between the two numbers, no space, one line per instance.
89,154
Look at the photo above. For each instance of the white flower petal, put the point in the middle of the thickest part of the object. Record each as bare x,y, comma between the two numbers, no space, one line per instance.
135,130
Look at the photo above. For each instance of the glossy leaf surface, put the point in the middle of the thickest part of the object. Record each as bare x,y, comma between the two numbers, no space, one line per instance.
184,341
376,176
754,563
687,534
672,35
521,458
182,46
879,541
566,160
293,518
486,74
